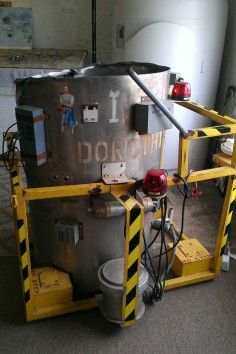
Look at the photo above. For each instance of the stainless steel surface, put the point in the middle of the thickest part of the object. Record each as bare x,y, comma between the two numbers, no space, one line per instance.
110,277
112,138
77,157
113,271
156,101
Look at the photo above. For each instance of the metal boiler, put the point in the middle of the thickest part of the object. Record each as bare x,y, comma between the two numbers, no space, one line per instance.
65,232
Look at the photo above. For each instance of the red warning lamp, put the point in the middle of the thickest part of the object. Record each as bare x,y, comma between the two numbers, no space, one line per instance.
181,90
155,182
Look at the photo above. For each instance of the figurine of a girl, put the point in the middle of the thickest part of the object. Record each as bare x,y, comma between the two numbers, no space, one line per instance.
69,118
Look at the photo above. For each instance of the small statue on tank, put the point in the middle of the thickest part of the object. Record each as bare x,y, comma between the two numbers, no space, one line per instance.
69,118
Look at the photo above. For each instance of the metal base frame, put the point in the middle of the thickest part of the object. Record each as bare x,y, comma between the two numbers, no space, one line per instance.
134,220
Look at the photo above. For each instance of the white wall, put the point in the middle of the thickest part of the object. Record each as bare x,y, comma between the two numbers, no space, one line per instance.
228,69
67,24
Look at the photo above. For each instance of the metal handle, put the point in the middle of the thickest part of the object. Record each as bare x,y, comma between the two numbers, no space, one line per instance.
132,73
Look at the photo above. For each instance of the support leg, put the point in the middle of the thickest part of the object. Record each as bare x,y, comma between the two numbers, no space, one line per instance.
133,246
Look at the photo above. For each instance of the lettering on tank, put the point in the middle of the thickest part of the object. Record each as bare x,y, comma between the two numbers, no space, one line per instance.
114,95
118,150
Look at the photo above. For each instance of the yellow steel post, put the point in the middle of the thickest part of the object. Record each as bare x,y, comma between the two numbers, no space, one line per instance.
226,216
22,241
225,224
133,247
183,159
21,232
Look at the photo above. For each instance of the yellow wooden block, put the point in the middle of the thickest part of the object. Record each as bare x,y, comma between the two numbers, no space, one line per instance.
191,257
50,287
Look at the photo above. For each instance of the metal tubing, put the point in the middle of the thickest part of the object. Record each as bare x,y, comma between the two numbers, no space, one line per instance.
132,73
94,29
114,208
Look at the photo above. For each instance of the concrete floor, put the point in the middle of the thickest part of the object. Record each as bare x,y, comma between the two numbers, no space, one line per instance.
194,319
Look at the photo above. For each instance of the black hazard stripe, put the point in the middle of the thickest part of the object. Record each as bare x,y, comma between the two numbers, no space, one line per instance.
227,229
27,296
134,242
201,133
131,295
222,250
133,269
25,275
25,272
229,226
223,129
14,175
22,248
131,317
231,208
134,213
124,197
19,223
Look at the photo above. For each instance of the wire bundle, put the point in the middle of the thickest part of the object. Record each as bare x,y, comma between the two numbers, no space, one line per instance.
157,275
8,155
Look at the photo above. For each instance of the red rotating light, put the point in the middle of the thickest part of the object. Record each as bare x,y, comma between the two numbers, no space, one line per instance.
155,182
181,90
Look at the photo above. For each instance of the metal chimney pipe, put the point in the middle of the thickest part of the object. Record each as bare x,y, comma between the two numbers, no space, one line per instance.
94,30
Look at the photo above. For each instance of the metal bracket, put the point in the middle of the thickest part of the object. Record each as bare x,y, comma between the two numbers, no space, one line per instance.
115,173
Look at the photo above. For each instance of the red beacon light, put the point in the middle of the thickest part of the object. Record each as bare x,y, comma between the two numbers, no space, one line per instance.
155,182
181,90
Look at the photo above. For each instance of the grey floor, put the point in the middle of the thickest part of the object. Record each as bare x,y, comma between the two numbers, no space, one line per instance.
194,319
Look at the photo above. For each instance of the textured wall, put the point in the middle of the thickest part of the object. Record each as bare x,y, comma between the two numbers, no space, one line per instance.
67,24
228,69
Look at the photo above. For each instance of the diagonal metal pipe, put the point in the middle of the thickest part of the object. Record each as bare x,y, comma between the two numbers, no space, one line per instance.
132,73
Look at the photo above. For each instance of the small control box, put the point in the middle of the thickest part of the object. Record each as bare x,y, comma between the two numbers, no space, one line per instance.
50,287
69,232
149,119
190,258
30,122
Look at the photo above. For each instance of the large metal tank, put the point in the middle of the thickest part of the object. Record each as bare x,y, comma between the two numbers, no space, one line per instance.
77,154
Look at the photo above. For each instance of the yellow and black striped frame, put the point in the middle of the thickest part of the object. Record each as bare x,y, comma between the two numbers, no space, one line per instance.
134,220
133,247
